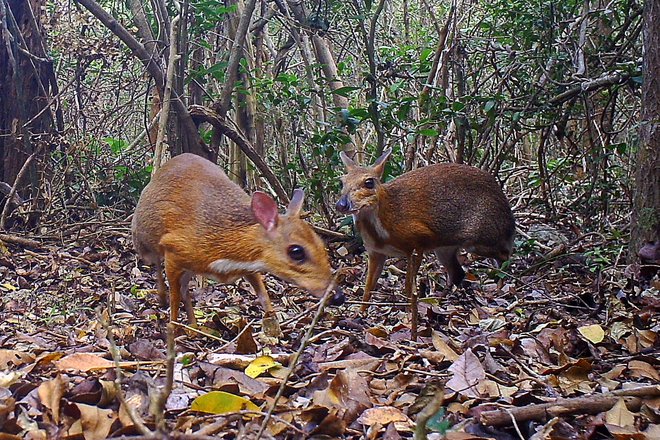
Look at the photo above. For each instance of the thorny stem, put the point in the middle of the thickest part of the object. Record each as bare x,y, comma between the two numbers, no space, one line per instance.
294,361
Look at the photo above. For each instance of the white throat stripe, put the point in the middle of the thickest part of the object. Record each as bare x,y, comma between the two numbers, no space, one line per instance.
224,266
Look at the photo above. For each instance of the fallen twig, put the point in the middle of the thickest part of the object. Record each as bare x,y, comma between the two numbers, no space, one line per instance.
26,242
592,404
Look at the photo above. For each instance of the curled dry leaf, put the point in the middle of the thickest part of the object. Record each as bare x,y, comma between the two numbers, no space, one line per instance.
348,392
643,369
50,394
442,347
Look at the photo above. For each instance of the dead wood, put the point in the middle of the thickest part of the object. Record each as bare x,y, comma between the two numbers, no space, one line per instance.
592,404
26,242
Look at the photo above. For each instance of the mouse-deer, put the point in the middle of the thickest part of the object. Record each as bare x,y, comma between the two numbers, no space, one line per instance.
195,220
439,208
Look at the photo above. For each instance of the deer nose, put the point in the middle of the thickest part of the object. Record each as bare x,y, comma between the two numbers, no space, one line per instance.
343,205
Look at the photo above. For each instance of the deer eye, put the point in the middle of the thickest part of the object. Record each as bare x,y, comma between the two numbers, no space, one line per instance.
370,183
297,253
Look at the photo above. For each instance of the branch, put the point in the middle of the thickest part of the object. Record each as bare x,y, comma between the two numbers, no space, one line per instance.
592,404
235,55
120,31
218,122
589,85
167,95
150,64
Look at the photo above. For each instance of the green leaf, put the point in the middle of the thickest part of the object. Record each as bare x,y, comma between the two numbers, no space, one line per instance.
490,106
345,91
427,132
424,56
438,423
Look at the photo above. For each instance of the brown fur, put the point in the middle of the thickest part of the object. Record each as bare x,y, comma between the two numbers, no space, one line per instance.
438,208
190,215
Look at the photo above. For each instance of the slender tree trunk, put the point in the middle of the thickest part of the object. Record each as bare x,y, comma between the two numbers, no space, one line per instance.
645,219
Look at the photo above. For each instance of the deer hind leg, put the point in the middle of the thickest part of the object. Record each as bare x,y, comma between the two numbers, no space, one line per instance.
186,295
414,261
160,284
448,258
179,279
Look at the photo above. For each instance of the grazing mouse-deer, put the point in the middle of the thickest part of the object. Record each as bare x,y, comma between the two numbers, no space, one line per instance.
439,208
192,217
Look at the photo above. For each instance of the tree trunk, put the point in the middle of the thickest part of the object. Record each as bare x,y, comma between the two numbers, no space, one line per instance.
645,219
27,85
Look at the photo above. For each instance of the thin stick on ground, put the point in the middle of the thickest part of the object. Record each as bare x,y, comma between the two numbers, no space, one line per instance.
294,361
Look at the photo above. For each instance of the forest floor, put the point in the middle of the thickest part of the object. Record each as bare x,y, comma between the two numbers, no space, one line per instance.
566,348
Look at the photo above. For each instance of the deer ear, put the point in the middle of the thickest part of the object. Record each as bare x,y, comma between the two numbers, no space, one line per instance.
296,202
348,162
379,165
264,209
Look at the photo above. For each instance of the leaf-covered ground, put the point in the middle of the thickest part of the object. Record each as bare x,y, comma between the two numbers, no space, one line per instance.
570,327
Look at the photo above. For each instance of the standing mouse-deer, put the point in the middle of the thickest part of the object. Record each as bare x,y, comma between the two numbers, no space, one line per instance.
439,208
195,220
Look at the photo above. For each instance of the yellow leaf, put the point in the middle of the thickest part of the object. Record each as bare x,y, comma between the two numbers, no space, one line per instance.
220,402
593,333
8,286
260,365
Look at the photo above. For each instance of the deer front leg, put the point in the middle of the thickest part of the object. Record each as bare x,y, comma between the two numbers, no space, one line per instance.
269,324
374,269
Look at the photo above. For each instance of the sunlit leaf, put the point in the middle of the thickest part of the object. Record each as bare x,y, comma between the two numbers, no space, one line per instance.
260,365
220,402
594,333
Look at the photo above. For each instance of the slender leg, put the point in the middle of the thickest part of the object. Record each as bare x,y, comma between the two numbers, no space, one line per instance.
187,298
447,256
375,267
174,274
414,261
160,284
269,324
257,284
